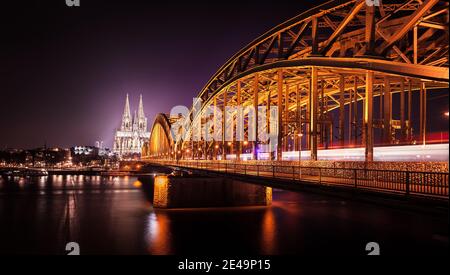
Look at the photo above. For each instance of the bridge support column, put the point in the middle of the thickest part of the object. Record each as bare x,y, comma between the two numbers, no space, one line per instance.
285,119
215,143
269,125
322,114
402,110
350,115
307,115
423,112
280,114
239,123
355,111
409,130
298,131
255,106
368,123
387,111
341,110
224,147
313,99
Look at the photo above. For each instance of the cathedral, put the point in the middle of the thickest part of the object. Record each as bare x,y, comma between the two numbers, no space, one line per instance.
132,135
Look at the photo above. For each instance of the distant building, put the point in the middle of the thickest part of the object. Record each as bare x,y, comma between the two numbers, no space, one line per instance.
103,151
133,133
85,150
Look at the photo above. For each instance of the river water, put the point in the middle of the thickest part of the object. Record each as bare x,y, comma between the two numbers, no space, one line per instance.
113,215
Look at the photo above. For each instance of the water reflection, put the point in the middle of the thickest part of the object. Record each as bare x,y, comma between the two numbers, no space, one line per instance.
158,234
114,215
268,233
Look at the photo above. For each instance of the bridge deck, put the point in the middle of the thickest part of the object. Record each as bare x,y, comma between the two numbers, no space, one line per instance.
425,184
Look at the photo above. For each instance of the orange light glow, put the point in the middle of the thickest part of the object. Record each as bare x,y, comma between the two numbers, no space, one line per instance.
137,184
160,191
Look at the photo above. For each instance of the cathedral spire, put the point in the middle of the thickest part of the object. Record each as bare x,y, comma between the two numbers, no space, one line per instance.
126,111
126,118
141,114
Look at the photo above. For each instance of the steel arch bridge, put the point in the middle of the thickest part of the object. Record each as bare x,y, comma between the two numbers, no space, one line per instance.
346,73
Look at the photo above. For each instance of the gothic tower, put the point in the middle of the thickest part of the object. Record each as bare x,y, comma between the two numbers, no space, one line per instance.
142,120
126,118
133,133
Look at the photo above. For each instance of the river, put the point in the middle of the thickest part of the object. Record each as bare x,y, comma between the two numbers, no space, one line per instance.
113,215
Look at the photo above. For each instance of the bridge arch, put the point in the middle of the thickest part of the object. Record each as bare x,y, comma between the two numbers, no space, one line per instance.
335,73
161,143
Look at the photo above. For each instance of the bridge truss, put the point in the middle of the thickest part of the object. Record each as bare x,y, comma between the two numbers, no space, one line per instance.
342,74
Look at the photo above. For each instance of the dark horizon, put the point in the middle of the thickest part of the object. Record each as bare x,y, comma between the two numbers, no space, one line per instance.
66,70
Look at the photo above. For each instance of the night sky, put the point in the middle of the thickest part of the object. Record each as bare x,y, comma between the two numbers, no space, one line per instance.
65,71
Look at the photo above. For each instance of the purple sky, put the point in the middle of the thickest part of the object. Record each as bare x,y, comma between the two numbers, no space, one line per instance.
65,71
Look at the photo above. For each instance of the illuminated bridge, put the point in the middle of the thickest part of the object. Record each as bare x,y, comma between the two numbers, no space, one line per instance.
350,80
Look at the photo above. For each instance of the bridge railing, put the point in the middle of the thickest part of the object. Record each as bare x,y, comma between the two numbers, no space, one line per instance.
433,184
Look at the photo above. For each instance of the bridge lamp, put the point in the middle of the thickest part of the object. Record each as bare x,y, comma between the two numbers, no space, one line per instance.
446,114
217,146
229,143
245,142
187,150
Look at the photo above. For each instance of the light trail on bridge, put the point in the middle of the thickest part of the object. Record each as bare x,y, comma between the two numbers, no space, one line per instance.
429,152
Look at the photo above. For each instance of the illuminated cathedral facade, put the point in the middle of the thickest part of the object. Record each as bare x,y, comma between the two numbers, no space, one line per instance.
133,133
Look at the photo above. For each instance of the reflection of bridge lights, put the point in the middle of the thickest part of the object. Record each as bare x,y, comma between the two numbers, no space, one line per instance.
199,149
137,184
187,150
217,146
